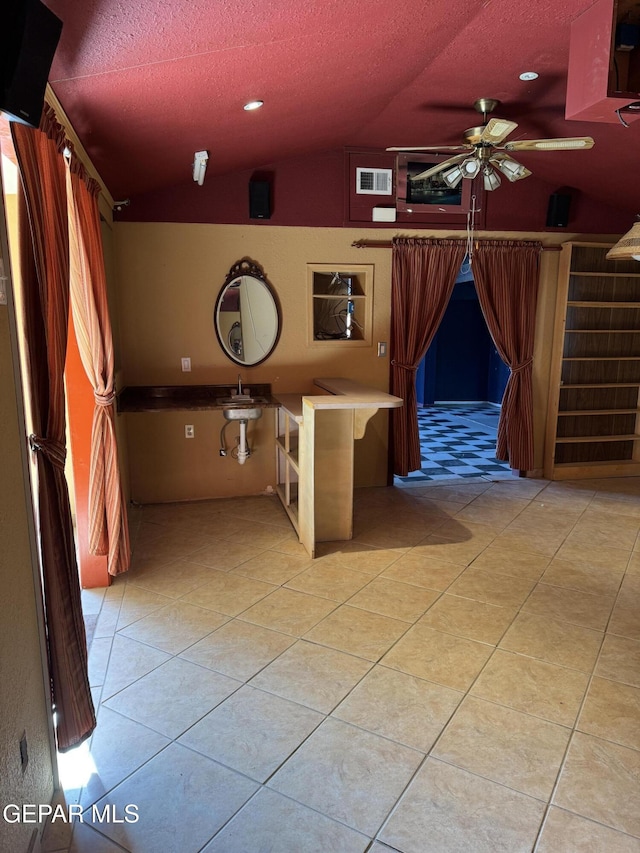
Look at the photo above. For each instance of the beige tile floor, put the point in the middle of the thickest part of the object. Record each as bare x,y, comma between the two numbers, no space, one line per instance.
464,675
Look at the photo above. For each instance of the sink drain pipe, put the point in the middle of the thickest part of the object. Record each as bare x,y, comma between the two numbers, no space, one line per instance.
243,447
242,450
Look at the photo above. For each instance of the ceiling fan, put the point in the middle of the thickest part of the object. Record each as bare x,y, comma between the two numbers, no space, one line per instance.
484,151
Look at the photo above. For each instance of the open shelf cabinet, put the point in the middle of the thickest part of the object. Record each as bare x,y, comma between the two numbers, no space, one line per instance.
287,463
593,421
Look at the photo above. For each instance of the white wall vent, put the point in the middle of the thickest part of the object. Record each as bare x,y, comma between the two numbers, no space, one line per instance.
374,181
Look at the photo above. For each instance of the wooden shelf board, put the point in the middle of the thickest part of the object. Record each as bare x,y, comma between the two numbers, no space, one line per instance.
578,412
601,385
602,358
602,331
591,439
589,470
343,297
605,274
583,303
293,445
601,464
291,509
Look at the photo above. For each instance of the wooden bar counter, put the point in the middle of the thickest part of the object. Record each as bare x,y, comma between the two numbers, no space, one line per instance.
315,449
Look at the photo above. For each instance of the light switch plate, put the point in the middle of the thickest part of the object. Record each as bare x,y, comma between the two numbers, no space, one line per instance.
186,365
382,349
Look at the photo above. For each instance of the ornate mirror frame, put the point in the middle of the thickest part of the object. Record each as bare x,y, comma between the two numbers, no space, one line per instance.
246,288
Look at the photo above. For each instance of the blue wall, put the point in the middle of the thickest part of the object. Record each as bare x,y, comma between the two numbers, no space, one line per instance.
462,363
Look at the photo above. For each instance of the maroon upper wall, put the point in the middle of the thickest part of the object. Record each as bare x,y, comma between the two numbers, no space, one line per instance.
320,192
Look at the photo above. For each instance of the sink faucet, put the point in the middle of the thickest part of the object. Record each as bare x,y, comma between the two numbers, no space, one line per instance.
239,385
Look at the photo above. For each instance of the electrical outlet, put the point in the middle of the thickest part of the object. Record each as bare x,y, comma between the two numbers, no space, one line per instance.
382,349
186,365
189,431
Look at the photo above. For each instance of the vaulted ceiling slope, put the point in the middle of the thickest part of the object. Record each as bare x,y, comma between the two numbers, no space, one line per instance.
147,84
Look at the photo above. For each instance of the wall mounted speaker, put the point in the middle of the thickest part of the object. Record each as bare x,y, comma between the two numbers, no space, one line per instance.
28,40
558,210
259,200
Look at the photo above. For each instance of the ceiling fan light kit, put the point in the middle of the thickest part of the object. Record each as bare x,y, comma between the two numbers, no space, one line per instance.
483,147
470,167
510,168
491,179
453,177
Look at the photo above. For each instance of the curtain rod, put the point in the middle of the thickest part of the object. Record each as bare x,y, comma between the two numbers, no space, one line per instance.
387,244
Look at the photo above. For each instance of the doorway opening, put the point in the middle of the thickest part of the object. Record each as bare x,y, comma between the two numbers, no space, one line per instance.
459,387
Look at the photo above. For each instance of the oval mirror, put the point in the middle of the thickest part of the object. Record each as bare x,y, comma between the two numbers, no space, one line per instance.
247,315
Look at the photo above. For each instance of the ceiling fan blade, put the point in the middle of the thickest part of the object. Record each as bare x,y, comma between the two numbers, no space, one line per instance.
432,148
570,143
509,167
496,130
439,167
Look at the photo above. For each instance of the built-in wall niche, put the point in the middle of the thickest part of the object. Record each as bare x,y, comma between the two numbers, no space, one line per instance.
430,203
340,304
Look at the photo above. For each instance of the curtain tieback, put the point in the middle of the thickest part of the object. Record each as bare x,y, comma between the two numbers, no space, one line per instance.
520,367
104,399
403,366
54,450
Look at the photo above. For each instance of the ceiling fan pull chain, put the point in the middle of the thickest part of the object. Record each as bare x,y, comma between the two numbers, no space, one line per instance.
471,224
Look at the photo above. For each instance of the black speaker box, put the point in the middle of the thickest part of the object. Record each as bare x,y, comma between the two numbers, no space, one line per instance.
558,210
259,200
28,40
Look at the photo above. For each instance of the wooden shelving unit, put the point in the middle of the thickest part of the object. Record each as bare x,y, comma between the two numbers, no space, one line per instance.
287,459
314,456
593,422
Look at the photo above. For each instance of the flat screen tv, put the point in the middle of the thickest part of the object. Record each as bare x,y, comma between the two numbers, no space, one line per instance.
429,195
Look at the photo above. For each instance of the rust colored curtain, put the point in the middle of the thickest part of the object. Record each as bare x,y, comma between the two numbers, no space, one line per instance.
44,253
108,527
422,279
506,277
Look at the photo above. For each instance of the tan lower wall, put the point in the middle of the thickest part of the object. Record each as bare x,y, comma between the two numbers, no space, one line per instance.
168,279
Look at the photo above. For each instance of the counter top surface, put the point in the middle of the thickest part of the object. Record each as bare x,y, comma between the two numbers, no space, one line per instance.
173,398
343,394
346,393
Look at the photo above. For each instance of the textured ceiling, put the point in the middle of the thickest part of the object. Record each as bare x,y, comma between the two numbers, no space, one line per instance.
147,84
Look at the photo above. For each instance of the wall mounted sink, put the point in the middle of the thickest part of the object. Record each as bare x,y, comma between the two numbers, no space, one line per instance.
241,401
242,412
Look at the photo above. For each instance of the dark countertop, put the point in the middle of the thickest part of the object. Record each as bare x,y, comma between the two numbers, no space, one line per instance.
173,398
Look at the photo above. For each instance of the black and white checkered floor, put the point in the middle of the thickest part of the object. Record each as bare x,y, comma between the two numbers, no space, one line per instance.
457,442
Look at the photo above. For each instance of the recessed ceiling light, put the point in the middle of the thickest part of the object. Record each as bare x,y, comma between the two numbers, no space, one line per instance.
529,75
253,105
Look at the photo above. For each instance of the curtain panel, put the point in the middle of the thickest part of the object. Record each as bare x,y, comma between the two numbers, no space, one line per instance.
506,276
108,525
423,274
44,254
